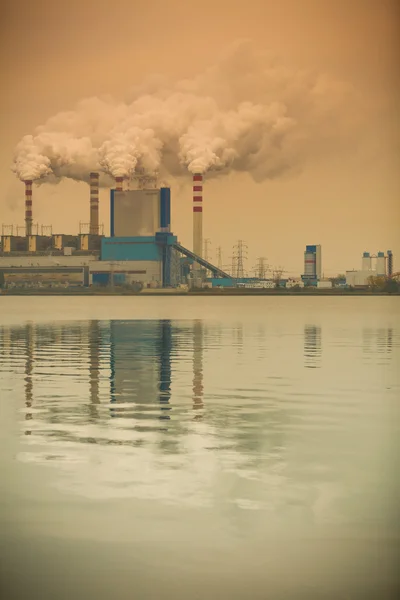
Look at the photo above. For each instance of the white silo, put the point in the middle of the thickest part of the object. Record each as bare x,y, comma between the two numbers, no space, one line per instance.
380,264
366,262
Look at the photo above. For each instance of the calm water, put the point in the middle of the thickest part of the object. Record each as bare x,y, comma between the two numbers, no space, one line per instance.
194,448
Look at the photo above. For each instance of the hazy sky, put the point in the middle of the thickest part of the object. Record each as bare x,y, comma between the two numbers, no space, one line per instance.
55,53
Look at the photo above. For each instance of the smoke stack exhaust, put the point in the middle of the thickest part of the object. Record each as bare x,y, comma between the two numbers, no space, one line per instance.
197,215
28,207
94,204
118,184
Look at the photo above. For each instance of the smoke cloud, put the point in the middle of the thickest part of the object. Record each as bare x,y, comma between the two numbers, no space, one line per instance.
246,113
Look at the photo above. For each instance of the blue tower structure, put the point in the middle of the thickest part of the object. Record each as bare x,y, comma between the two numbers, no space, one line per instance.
141,242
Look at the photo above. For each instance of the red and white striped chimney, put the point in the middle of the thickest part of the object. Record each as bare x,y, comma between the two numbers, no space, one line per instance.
118,184
198,214
28,207
94,204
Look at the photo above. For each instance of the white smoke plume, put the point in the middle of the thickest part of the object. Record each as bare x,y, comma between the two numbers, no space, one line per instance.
246,113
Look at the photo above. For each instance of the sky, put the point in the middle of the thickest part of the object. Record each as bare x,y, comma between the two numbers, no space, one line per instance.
54,54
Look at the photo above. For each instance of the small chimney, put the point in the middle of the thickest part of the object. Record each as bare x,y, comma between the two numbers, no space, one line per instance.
197,214
118,184
94,204
28,207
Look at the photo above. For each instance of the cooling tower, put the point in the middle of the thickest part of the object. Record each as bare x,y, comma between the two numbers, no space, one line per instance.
94,204
197,214
28,207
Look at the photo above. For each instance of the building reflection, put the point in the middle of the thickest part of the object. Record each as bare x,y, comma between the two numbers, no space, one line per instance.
165,368
377,340
72,370
312,346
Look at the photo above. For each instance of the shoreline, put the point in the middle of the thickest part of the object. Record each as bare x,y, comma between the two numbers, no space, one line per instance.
208,293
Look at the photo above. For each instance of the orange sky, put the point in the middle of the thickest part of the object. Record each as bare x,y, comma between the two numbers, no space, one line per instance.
54,53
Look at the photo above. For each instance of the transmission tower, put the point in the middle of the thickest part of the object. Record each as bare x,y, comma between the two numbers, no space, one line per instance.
261,268
240,254
277,275
219,257
206,245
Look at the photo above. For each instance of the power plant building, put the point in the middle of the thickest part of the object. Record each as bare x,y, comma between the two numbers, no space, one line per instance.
312,264
141,250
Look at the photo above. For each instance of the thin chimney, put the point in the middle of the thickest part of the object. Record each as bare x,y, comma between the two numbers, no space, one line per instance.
197,214
94,204
28,207
118,184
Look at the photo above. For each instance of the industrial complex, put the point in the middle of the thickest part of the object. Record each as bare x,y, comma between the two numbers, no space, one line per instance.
142,251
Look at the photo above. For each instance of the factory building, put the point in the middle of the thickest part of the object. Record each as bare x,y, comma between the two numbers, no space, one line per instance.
383,268
312,264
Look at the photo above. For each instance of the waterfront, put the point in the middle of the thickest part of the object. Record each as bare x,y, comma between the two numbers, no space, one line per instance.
199,448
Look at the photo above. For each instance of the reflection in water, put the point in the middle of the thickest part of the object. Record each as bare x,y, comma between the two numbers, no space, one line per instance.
279,454
94,342
165,367
198,334
110,383
312,346
30,342
378,340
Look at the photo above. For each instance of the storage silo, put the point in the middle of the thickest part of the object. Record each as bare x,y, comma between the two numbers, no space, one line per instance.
366,263
380,264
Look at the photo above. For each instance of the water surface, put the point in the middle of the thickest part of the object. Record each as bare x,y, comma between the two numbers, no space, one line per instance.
199,447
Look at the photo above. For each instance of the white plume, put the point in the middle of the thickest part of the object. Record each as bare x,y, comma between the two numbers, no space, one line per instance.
245,113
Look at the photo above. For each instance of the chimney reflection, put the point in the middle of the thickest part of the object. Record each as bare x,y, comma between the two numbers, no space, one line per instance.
198,334
29,360
94,341
312,346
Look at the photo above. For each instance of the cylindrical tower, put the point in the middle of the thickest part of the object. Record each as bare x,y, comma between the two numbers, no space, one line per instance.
94,204
389,263
28,207
118,184
366,262
380,264
197,214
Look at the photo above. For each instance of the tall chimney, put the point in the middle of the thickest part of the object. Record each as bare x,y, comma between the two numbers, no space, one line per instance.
28,207
94,204
118,184
197,214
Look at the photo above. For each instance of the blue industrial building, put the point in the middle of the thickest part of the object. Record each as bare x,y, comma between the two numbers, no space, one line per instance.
141,247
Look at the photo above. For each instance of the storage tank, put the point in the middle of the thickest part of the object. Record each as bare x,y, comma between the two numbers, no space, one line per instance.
380,264
366,263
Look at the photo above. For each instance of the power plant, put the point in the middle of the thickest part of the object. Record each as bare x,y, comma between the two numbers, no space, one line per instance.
140,250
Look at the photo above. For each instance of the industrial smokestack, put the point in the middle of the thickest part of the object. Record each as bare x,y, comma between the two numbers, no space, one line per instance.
28,207
118,184
197,214
94,204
